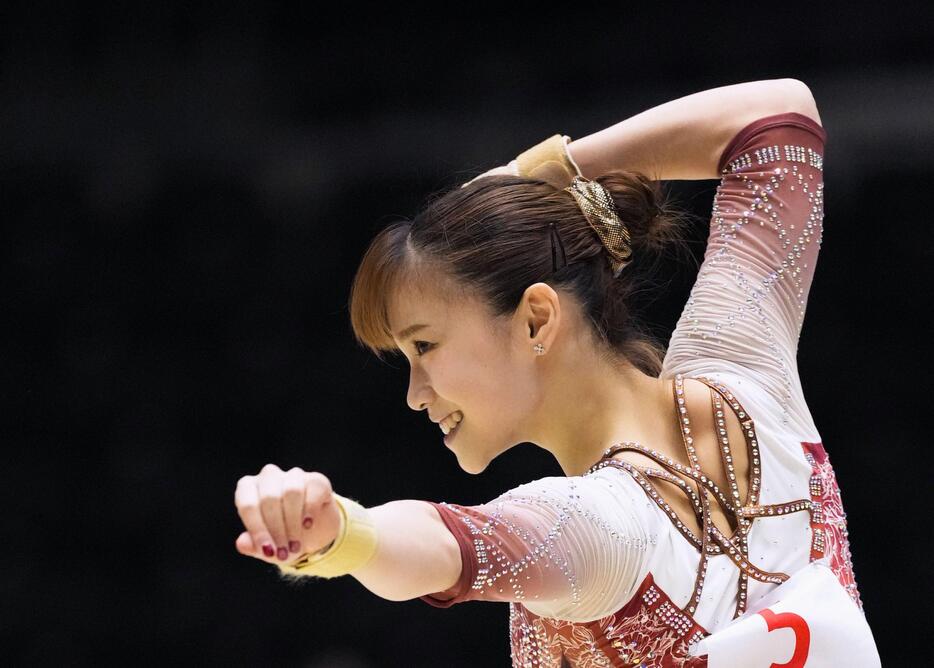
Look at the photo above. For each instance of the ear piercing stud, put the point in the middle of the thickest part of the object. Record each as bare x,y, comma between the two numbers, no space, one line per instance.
539,349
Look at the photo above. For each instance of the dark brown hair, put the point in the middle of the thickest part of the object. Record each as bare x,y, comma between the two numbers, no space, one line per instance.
492,239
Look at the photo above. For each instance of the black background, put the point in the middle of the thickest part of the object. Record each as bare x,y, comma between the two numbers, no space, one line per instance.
186,193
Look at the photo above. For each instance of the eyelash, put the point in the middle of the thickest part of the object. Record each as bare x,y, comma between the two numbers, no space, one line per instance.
415,344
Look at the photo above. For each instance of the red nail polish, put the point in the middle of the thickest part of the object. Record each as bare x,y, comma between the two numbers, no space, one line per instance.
307,522
282,553
267,550
294,546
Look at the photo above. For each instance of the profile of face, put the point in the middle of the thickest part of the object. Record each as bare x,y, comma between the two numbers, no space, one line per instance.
468,361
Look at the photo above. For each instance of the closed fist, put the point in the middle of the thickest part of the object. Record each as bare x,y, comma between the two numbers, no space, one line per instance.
286,514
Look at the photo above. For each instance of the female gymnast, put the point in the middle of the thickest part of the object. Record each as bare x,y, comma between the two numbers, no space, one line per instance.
698,520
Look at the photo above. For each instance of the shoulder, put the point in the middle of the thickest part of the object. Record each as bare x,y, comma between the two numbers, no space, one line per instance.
600,489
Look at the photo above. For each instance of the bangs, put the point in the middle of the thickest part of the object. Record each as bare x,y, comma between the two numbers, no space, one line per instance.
392,266
385,268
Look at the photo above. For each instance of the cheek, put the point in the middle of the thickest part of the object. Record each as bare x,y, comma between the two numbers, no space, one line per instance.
502,390
489,385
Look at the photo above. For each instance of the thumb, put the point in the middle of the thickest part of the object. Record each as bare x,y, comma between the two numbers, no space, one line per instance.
245,545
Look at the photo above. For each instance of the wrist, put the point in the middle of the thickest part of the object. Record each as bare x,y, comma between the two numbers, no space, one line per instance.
324,549
353,547
567,151
549,161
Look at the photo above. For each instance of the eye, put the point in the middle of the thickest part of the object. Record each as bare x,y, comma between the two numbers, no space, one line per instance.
418,351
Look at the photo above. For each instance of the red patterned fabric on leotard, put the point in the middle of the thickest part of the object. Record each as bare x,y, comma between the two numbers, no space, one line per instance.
829,524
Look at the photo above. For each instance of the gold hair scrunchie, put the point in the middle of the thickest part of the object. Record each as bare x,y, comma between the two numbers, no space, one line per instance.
550,161
600,211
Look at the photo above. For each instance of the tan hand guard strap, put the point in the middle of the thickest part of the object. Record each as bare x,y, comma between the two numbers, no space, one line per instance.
353,548
549,161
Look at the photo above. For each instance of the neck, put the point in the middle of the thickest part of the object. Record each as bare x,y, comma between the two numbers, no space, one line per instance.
592,407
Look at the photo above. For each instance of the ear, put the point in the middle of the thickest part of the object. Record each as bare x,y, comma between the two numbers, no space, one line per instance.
540,309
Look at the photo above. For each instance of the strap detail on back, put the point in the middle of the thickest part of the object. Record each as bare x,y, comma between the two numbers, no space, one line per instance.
741,513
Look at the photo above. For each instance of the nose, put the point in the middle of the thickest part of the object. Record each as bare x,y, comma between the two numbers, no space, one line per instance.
419,394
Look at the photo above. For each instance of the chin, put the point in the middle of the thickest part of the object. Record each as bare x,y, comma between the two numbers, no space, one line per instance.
474,467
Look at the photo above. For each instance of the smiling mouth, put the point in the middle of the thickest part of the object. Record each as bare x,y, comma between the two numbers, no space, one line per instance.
448,437
449,424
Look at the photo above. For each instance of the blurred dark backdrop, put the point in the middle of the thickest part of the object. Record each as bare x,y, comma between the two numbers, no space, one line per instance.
186,193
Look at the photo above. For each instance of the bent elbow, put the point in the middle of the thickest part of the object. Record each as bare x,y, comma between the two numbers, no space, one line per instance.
798,95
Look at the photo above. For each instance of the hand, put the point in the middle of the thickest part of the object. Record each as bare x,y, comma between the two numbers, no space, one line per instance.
286,514
512,167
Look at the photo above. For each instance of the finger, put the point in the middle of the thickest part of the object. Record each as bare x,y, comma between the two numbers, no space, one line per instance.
270,504
246,499
318,491
293,505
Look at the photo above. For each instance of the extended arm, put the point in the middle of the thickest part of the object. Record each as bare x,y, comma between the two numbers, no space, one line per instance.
572,548
684,138
416,555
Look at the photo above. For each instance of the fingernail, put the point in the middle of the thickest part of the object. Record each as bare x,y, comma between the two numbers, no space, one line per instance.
282,553
294,546
267,550
307,522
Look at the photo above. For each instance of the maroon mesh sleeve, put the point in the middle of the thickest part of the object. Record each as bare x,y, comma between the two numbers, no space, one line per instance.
459,592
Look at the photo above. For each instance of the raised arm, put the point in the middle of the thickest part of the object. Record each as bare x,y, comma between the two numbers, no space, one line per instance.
684,138
746,309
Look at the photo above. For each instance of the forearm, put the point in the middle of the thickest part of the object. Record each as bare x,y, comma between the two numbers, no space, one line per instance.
416,552
684,138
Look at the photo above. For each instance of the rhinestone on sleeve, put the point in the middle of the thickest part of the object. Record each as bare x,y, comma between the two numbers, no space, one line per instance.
548,543
748,303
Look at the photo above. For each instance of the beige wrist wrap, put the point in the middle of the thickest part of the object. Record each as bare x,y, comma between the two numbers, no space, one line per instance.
549,161
354,546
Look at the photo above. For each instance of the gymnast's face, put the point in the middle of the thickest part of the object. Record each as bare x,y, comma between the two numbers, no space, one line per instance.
466,361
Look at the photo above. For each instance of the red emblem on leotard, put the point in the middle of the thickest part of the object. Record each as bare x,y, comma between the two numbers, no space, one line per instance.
789,620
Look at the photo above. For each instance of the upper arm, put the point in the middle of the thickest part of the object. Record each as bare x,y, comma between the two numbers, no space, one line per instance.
454,562
746,309
565,547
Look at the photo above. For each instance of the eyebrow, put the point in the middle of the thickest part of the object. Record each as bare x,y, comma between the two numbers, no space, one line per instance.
409,331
